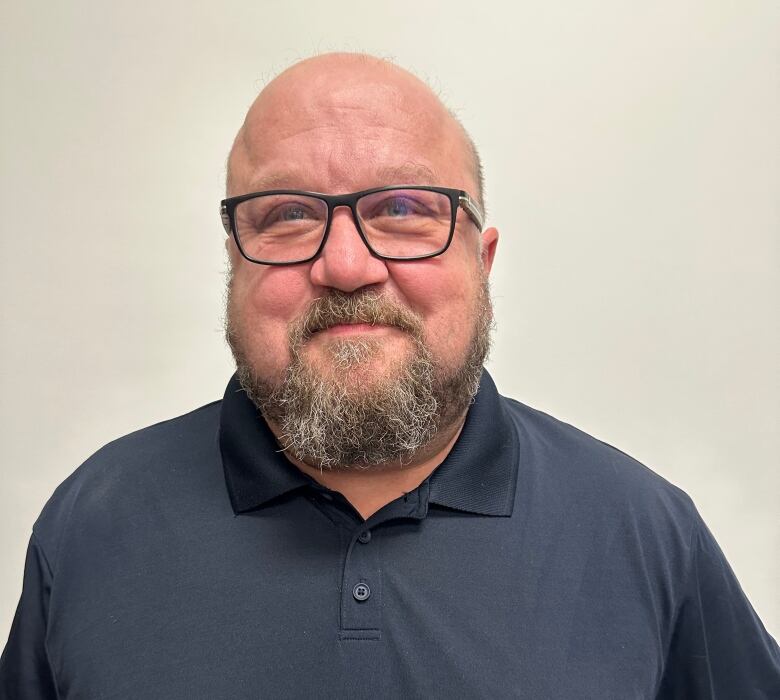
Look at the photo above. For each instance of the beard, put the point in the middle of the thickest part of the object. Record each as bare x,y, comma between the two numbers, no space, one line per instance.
351,413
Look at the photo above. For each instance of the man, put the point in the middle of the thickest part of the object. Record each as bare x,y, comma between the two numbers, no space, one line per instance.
363,515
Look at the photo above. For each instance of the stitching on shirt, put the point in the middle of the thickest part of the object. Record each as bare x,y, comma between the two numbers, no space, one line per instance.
52,670
509,503
679,605
367,635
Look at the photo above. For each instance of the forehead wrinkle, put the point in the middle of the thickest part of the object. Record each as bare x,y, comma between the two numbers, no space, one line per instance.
406,174
338,126
338,165
410,173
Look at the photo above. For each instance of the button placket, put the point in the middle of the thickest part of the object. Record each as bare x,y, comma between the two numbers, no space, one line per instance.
361,589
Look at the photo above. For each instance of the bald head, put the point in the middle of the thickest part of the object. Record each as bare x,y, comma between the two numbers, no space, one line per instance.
341,112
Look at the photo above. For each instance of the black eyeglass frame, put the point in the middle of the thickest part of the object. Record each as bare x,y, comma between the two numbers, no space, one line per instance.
458,199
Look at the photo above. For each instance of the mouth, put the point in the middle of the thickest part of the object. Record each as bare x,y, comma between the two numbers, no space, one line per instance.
353,328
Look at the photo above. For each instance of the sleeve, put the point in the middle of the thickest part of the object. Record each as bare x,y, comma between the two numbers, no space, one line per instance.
25,672
719,647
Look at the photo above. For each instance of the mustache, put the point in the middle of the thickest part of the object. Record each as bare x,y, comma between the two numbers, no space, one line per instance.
358,307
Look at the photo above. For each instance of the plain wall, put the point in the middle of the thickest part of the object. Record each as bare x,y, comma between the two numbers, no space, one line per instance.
631,151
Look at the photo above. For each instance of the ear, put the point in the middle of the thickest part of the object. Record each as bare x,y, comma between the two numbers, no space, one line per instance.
488,248
232,249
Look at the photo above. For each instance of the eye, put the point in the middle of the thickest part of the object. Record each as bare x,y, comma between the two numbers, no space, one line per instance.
292,212
289,213
397,206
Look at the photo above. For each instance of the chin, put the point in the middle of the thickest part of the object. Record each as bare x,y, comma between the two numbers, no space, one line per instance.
360,361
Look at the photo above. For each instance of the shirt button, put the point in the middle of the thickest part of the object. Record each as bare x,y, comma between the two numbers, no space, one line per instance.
365,536
361,592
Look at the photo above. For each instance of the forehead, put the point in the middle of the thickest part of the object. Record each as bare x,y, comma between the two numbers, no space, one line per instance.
407,174
342,131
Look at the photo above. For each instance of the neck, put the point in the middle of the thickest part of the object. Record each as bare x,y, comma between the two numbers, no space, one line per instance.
370,488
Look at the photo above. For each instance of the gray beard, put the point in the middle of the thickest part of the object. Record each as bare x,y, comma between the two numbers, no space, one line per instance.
343,421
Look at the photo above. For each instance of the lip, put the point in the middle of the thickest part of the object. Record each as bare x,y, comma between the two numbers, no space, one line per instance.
354,328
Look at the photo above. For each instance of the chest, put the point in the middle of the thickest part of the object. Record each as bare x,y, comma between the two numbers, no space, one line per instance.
310,604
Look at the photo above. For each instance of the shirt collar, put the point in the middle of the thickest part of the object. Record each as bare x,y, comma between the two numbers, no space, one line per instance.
256,470
478,476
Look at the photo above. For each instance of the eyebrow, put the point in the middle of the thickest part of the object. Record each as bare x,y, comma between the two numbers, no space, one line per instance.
406,174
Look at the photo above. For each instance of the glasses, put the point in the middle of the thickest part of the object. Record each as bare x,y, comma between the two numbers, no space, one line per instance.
285,227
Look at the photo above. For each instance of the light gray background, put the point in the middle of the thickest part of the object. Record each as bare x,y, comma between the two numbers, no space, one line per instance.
631,150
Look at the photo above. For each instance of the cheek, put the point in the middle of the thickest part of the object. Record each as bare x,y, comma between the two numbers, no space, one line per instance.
263,303
280,293
443,291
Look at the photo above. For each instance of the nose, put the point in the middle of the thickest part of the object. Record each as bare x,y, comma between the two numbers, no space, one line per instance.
345,262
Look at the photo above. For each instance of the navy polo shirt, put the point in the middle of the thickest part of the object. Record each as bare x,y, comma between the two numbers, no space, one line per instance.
192,560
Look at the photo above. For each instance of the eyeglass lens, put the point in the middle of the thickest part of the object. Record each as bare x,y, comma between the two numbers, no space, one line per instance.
396,223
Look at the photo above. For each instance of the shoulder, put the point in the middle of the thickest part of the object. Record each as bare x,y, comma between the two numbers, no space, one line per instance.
589,475
141,467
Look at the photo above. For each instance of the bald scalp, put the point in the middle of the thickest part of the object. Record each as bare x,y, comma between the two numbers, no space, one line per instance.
317,72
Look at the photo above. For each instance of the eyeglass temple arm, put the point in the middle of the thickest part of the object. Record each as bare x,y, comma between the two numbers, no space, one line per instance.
225,219
470,207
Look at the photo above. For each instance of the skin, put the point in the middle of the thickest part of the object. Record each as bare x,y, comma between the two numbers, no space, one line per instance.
342,123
